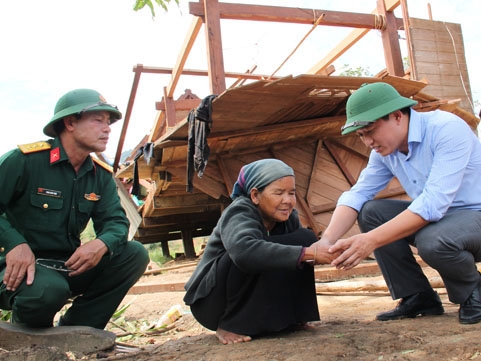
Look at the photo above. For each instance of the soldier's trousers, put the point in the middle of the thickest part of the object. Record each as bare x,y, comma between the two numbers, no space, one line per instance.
96,293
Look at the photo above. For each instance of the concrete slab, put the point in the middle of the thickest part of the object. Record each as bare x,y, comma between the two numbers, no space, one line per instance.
64,338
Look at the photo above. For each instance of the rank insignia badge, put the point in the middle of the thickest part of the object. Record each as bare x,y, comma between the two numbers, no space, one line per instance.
92,197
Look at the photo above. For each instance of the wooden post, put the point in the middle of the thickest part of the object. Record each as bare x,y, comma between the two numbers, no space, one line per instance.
165,248
169,109
214,47
188,243
390,40
407,31
128,112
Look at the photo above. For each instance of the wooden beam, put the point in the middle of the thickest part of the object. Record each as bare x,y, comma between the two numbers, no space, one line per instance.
224,170
315,165
339,50
159,127
169,109
172,236
184,53
349,41
197,72
188,243
215,58
350,178
188,219
166,229
309,215
350,150
176,72
318,21
390,40
198,199
239,82
182,104
127,115
407,31
291,15
205,184
327,207
285,127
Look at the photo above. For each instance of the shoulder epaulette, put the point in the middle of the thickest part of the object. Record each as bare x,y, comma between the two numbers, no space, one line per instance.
34,147
103,164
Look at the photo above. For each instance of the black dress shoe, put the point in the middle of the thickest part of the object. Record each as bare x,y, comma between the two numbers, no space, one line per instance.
423,303
470,310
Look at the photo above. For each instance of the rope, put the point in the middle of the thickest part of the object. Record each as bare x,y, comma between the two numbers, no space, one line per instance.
459,68
379,22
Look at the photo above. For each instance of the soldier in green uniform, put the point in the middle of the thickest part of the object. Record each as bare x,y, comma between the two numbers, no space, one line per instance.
49,192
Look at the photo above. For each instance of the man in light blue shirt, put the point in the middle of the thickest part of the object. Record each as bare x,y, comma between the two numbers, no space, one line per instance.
437,159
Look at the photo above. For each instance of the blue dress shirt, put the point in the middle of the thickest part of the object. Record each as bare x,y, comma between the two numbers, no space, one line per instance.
440,173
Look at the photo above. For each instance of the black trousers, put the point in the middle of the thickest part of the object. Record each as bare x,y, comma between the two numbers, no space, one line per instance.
257,304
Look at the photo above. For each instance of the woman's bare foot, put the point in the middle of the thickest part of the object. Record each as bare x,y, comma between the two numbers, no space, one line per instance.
228,338
305,326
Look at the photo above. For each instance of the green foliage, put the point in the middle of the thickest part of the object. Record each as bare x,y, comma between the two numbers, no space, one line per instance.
156,255
88,233
347,70
120,311
359,71
140,4
5,315
175,247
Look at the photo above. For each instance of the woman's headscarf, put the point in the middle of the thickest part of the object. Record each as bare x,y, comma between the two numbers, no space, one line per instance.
259,174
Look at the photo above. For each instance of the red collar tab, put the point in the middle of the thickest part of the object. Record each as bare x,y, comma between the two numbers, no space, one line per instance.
54,155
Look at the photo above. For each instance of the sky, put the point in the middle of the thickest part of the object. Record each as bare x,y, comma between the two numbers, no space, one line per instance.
50,47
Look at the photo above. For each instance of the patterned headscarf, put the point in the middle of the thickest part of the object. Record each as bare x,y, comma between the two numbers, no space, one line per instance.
259,174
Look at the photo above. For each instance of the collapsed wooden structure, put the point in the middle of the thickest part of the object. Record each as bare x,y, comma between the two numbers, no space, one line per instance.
296,118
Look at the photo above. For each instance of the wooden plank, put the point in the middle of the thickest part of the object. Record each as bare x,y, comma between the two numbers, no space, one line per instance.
188,219
228,174
169,109
197,72
162,229
215,59
321,274
288,15
315,170
187,201
364,286
348,42
172,236
182,104
205,184
442,62
142,288
335,155
128,113
390,40
184,53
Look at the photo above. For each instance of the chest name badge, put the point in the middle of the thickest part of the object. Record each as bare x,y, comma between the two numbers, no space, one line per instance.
49,192
92,197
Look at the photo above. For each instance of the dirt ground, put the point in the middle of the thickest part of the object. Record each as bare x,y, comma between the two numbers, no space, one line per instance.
347,331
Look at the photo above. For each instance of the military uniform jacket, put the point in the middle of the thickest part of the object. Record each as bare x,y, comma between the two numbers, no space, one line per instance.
45,203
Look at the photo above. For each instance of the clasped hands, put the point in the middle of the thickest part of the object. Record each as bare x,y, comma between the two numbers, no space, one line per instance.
343,254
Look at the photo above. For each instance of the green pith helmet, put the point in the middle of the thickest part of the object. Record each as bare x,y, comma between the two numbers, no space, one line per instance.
370,103
78,101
